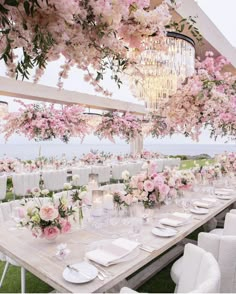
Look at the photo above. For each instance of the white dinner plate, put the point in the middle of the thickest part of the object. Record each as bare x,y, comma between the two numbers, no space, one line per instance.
86,273
166,232
199,210
99,244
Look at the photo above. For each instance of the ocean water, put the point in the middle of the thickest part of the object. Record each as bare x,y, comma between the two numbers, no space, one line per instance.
31,151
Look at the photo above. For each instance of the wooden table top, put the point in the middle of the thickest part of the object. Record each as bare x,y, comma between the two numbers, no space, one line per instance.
38,255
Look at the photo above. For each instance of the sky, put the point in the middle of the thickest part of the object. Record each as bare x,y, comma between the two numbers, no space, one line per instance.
222,15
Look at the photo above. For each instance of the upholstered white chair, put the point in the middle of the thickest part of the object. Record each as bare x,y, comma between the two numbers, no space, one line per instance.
54,179
3,187
224,250
83,173
25,181
5,215
117,169
229,225
200,272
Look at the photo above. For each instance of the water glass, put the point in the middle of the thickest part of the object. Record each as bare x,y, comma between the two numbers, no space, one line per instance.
136,227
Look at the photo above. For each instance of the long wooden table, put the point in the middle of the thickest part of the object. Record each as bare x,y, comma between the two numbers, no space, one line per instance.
38,256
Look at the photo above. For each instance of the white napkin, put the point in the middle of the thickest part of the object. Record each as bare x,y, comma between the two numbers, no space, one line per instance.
202,203
176,219
112,252
211,200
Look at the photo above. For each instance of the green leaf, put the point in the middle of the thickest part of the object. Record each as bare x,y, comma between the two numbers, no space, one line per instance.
27,7
11,3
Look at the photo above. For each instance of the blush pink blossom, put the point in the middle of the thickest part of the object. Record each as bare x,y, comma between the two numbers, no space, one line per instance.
148,186
51,232
48,212
65,226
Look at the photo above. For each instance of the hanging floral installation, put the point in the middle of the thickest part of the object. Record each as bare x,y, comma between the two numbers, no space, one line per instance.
93,35
126,126
44,122
207,99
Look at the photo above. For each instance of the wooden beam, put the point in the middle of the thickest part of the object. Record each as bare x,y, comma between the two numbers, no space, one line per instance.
26,90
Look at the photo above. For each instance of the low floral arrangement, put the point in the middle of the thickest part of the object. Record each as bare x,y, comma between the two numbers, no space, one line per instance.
47,220
8,165
92,158
227,162
37,192
185,179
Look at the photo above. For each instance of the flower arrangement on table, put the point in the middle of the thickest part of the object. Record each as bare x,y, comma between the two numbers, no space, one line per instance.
150,190
8,165
37,192
47,220
92,157
185,179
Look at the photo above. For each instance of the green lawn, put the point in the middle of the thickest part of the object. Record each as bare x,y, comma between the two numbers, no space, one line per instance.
187,164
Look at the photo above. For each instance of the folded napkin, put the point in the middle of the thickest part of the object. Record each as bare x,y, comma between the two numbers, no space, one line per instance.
112,252
176,219
210,200
203,203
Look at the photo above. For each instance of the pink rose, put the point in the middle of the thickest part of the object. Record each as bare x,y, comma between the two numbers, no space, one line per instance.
148,186
65,226
51,232
48,212
164,189
158,181
140,185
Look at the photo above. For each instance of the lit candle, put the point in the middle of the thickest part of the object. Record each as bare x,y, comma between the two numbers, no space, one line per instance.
97,203
108,201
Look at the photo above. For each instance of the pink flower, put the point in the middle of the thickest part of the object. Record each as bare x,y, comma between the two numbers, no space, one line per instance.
140,185
158,180
148,186
51,232
65,226
48,212
164,189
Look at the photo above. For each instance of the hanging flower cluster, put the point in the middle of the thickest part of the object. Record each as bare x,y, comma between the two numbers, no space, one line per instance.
93,35
208,99
41,122
126,126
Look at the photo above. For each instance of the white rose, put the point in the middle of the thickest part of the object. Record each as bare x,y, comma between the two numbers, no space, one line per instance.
83,195
45,192
67,186
125,175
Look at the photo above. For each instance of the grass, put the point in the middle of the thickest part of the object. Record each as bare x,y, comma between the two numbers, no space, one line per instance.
187,164
160,283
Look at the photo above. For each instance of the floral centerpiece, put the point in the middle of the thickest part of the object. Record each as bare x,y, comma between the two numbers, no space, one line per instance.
150,190
8,165
47,220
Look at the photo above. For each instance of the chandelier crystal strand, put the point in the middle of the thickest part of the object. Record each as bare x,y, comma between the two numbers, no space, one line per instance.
161,67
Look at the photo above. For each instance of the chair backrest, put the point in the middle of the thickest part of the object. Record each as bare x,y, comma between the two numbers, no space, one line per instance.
83,173
54,180
3,187
24,182
224,250
104,173
200,273
230,224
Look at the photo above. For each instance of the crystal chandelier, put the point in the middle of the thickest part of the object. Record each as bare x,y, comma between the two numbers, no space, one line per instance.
3,108
161,67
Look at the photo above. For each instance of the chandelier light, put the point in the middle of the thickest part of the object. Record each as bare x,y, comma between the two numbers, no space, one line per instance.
3,108
161,67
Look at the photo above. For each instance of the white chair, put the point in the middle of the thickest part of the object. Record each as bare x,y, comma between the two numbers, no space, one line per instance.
3,187
116,171
224,250
229,225
25,181
104,173
83,173
199,273
54,180
5,215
